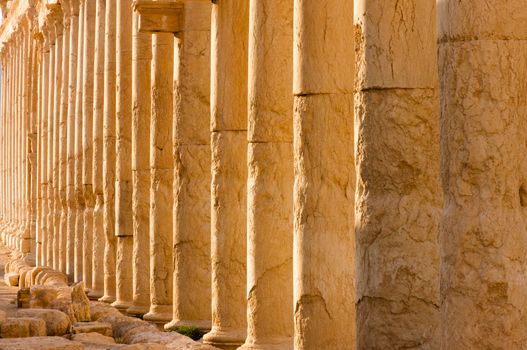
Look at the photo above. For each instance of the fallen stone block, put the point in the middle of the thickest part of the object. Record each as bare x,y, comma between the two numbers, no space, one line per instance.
99,310
92,327
40,343
92,338
57,322
11,279
22,298
23,327
70,300
148,346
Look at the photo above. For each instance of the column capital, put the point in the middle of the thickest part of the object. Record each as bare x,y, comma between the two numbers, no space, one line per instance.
173,17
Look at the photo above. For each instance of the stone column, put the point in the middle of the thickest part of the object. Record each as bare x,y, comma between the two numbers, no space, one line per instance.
108,170
57,208
97,180
63,138
78,192
482,65
87,137
50,149
399,197
43,148
191,144
70,176
229,33
161,177
324,242
270,176
141,61
123,183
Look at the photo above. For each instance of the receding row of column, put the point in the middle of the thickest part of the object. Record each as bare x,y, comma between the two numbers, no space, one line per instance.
194,163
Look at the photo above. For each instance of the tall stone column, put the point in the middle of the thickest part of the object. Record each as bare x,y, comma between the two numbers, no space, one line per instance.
482,64
192,156
270,176
399,196
123,178
78,151
71,126
108,170
141,61
42,237
87,137
50,158
63,138
229,33
161,177
57,14
324,242
97,180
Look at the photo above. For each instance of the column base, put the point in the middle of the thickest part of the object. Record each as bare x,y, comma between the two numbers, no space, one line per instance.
107,299
226,339
122,306
159,314
282,343
95,295
174,324
137,310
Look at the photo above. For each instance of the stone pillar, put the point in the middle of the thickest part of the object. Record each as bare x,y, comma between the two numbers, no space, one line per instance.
71,121
270,176
50,149
78,191
43,148
141,61
123,183
87,137
161,177
108,170
398,189
229,33
324,242
191,143
97,180
57,208
63,138
482,63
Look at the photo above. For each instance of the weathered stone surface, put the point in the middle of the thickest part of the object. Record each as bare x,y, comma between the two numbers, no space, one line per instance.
92,338
92,327
57,322
22,298
140,347
70,300
40,343
100,310
23,327
80,303
11,279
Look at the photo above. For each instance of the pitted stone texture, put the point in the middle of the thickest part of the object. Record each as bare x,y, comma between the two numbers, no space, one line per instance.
72,301
23,327
399,207
93,338
140,347
57,322
483,233
92,327
40,343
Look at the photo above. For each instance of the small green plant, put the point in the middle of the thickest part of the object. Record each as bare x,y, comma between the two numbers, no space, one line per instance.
193,333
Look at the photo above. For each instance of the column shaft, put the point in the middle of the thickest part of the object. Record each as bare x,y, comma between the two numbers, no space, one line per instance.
161,176
191,141
141,61
482,62
324,241
97,180
108,170
229,33
123,176
398,187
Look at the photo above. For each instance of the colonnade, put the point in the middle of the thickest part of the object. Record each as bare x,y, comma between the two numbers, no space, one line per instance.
270,171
